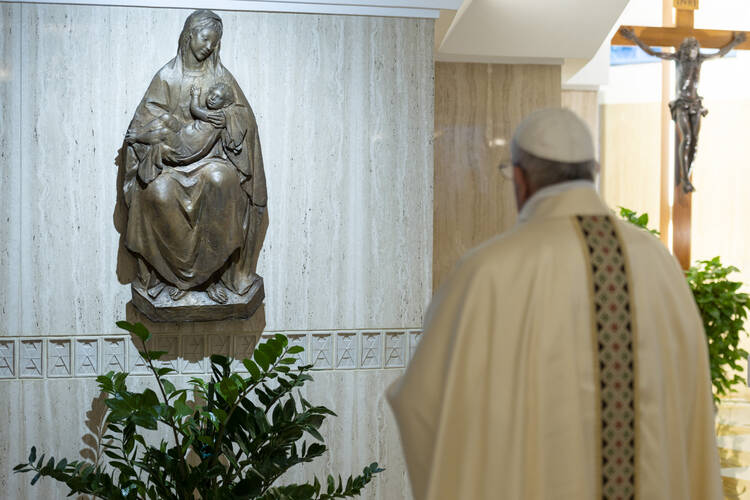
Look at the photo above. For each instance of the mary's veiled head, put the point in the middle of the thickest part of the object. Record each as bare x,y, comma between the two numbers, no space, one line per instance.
201,37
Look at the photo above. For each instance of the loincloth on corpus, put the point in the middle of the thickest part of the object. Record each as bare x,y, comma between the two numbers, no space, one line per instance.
689,105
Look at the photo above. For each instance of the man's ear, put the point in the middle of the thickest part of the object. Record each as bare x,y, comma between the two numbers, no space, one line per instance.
521,186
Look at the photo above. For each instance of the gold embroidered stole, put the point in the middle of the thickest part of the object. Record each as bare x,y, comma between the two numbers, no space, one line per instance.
614,338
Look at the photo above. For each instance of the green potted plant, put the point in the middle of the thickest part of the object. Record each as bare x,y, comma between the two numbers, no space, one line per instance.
233,440
723,308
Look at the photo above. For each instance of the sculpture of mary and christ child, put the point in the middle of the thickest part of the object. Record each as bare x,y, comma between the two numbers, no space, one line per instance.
193,180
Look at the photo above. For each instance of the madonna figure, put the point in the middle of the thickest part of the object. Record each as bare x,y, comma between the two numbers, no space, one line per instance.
193,181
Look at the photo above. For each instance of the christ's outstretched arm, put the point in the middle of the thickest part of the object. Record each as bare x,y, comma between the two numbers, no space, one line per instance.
738,39
630,35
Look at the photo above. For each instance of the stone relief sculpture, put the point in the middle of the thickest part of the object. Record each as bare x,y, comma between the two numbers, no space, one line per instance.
194,187
687,108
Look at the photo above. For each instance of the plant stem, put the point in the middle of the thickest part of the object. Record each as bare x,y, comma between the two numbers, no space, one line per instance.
220,433
178,445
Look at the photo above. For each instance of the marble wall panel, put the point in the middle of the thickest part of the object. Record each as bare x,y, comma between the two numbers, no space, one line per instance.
721,203
345,119
586,104
61,417
364,416
10,168
345,111
630,157
477,107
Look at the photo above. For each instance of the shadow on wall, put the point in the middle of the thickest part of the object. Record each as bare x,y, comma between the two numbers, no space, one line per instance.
93,450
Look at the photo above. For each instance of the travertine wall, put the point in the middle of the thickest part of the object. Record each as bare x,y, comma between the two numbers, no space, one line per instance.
586,104
345,110
630,157
477,108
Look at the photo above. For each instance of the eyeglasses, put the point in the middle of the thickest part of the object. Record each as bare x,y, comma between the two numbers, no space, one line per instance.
506,169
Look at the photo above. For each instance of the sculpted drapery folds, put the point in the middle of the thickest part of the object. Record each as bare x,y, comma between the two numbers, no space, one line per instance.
193,179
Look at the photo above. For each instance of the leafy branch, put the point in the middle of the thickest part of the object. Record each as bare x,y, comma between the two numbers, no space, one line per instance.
723,309
244,433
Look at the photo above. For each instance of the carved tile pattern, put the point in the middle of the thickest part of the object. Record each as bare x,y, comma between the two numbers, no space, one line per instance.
31,358
193,359
414,338
113,355
58,358
395,352
171,344
321,351
189,353
299,339
220,344
346,350
87,357
136,364
7,358
372,350
243,348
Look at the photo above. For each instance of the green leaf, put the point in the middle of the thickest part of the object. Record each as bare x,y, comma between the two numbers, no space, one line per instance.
181,408
252,368
281,339
220,360
32,455
138,329
152,355
261,358
169,387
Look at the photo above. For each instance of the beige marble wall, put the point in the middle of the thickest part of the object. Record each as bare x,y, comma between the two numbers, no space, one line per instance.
477,107
10,178
345,111
586,104
630,157
341,114
720,204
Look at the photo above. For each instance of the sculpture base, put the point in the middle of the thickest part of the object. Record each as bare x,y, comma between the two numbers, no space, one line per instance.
196,306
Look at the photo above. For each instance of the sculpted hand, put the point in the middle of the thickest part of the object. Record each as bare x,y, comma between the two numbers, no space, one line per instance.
217,119
194,91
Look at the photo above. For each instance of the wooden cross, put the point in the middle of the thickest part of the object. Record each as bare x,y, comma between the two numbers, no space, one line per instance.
672,35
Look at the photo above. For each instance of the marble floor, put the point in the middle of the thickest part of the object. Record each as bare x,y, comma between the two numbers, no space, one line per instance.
733,436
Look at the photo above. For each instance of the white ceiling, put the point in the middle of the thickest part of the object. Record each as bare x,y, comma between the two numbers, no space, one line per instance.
530,31
386,8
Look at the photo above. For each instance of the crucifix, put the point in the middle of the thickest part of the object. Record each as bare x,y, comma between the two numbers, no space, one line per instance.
686,109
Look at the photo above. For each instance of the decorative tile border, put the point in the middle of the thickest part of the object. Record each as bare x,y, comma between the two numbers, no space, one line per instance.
8,358
89,356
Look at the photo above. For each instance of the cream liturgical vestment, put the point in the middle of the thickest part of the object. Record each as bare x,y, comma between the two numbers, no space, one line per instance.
522,385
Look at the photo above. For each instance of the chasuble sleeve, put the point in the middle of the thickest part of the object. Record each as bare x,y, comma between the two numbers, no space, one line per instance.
423,400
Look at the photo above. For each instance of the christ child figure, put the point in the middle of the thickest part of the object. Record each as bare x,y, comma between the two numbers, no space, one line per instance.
185,144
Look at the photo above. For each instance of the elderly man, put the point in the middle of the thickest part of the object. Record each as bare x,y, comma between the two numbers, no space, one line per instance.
563,359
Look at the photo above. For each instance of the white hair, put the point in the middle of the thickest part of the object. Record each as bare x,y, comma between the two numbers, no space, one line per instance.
541,173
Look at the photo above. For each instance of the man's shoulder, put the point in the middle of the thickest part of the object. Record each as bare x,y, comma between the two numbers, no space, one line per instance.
526,242
637,238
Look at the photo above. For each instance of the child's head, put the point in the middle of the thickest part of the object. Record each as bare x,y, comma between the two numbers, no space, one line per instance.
219,96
